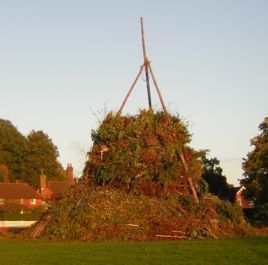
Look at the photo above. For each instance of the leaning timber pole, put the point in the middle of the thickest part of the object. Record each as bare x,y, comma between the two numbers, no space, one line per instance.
188,177
145,63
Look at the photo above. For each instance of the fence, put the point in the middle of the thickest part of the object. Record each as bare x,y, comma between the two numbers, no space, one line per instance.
16,224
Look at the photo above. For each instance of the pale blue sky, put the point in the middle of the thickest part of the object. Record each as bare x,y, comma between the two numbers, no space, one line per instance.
61,61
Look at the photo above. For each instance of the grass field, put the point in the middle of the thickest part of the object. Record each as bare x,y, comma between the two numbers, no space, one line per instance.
216,252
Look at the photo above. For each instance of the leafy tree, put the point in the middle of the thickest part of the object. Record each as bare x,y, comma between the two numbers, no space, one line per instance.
25,157
212,174
41,155
4,173
255,168
13,146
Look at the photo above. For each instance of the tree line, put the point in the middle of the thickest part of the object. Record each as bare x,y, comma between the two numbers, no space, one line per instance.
255,168
23,158
254,179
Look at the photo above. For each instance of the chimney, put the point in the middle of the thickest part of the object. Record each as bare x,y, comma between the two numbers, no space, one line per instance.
70,173
43,184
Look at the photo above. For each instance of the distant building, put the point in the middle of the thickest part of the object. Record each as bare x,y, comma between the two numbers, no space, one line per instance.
245,203
23,194
19,193
52,189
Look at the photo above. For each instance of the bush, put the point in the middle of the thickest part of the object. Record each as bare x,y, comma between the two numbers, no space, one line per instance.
229,211
12,212
262,214
20,217
11,207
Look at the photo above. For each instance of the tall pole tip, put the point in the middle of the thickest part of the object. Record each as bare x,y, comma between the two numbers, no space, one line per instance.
141,19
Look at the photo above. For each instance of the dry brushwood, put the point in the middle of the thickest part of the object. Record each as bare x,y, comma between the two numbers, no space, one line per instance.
140,183
148,152
104,213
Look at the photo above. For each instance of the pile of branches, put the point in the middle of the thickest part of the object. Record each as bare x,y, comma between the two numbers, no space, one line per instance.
141,182
146,153
109,214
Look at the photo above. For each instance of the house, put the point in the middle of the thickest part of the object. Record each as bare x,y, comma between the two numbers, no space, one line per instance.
20,194
52,189
245,203
24,195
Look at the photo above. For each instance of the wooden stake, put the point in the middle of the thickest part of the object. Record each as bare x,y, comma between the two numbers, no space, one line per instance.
157,88
145,63
190,181
171,236
130,90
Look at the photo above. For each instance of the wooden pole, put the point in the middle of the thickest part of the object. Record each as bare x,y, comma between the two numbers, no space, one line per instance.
189,178
146,66
157,88
130,90
148,69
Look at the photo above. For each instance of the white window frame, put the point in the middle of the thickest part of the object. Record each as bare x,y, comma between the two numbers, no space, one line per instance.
2,201
21,201
33,201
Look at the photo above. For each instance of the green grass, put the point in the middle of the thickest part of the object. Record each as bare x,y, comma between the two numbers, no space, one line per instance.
216,252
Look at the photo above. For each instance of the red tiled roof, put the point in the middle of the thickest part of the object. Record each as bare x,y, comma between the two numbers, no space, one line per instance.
17,191
57,187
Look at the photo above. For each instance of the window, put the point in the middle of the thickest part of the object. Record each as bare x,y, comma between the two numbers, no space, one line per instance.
21,201
2,201
33,201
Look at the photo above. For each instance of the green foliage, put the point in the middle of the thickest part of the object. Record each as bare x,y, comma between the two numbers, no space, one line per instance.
42,155
217,182
4,172
228,211
12,208
256,167
11,211
262,214
29,216
128,150
13,147
24,157
103,213
202,187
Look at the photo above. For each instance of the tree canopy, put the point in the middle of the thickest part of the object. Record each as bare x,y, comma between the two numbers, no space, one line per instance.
42,155
24,157
13,148
4,172
255,167
212,174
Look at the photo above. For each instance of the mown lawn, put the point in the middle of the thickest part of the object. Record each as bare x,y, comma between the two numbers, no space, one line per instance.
216,252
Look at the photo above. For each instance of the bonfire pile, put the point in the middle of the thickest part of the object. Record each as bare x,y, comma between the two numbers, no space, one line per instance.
103,213
142,182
